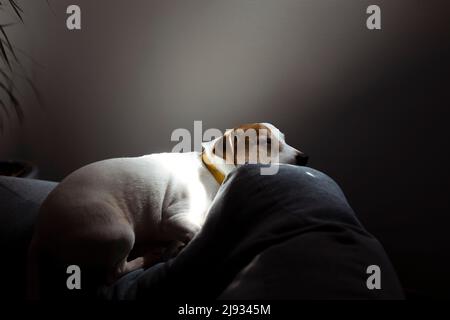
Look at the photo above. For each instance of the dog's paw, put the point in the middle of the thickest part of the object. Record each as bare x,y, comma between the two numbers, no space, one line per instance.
172,250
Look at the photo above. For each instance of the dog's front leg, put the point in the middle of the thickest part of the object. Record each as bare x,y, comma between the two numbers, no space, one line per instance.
181,231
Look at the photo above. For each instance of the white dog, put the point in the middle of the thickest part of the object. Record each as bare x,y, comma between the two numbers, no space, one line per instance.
122,214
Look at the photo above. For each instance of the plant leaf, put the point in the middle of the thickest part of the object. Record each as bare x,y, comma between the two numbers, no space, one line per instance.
6,76
4,55
17,9
5,109
1,118
14,101
10,47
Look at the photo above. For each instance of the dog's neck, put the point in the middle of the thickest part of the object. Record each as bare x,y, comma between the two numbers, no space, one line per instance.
216,173
217,166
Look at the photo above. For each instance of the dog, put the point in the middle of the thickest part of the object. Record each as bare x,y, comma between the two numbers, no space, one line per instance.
122,214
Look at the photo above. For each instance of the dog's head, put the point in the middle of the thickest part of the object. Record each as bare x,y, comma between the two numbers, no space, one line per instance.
252,143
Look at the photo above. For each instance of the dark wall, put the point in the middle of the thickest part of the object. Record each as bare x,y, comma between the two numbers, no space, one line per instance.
369,107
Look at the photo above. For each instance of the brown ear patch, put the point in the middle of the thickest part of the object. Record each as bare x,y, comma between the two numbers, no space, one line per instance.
227,149
255,126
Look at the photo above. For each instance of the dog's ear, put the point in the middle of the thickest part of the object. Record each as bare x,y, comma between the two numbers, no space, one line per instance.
224,147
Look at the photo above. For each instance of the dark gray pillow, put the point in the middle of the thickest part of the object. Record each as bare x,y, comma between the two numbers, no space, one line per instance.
291,235
20,200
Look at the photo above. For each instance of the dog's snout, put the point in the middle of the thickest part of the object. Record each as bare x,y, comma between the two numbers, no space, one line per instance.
301,159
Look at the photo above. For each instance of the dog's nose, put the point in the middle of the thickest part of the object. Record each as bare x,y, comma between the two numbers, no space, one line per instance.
301,159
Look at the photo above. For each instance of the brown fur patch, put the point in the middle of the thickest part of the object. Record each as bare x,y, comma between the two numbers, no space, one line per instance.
227,146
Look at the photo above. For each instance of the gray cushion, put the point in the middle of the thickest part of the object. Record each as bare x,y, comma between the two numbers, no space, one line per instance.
20,200
292,235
